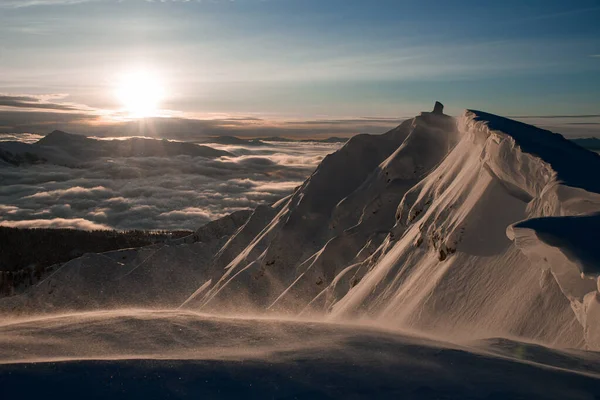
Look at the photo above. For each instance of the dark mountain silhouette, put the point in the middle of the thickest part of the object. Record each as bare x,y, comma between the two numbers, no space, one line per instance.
64,148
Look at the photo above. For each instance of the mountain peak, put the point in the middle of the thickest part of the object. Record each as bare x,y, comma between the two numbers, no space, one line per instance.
397,227
58,137
58,132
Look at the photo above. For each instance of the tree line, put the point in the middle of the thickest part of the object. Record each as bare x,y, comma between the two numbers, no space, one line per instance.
27,255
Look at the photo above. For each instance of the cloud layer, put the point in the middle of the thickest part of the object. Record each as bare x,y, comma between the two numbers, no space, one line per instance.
40,114
154,192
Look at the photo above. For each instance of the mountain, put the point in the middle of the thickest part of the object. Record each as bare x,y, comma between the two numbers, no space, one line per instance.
332,139
159,275
9,159
21,268
63,148
234,140
471,227
61,138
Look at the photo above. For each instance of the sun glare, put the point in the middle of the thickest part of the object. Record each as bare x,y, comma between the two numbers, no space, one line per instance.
140,93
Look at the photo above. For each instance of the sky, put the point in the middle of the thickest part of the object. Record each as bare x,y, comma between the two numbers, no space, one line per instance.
293,67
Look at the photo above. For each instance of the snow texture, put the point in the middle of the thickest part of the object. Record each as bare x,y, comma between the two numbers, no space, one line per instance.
177,354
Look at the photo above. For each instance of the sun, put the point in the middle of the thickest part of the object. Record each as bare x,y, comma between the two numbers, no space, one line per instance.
140,92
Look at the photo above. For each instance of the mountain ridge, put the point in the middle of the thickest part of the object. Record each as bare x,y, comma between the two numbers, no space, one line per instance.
261,141
62,148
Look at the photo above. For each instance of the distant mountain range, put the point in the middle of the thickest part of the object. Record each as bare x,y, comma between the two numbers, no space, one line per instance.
65,148
234,140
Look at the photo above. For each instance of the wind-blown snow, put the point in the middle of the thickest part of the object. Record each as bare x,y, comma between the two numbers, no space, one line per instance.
179,354
468,228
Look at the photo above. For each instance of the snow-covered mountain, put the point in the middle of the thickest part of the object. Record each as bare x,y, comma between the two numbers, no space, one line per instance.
476,226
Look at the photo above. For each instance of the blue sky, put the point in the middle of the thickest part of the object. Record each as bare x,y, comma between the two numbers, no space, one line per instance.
305,59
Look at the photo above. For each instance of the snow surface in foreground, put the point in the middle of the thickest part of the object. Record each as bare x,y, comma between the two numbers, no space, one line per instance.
177,354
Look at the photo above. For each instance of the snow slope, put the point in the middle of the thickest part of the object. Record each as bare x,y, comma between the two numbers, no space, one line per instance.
464,228
450,265
413,229
162,275
181,354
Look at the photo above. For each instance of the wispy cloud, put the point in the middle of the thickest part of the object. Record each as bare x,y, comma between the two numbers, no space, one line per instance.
30,3
595,55
561,14
57,223
26,113
556,116
37,102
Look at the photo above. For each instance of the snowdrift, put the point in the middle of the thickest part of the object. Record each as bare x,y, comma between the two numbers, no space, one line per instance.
469,227
182,354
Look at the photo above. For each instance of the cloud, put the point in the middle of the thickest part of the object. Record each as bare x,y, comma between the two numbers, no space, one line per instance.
556,116
35,102
186,213
154,192
76,223
91,124
22,137
76,191
15,121
8,209
334,122
41,114
567,125
31,3
189,128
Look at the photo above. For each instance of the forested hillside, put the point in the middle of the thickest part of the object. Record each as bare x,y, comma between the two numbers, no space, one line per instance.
26,255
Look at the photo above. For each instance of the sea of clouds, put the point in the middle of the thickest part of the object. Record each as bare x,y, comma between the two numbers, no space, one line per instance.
154,192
